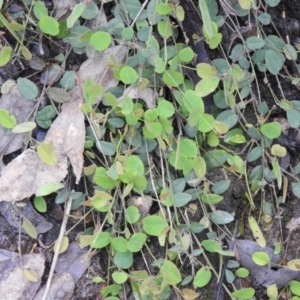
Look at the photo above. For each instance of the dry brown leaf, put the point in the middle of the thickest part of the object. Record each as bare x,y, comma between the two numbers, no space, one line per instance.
68,135
13,281
148,95
100,72
293,224
24,176
62,287
20,108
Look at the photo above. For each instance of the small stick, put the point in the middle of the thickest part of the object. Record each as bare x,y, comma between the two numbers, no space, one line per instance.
58,245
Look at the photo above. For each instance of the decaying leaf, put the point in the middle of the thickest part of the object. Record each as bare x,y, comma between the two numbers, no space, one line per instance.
20,108
24,176
293,224
257,233
74,260
100,72
265,275
13,214
148,95
21,280
62,287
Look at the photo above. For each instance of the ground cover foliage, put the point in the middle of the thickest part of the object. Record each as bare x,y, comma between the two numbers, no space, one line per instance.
171,151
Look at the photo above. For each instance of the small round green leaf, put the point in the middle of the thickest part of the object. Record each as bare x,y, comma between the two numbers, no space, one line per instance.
170,272
261,258
132,214
128,75
119,277
136,242
100,40
154,225
172,78
123,260
271,130
100,240
49,25
40,9
186,55
202,277
6,119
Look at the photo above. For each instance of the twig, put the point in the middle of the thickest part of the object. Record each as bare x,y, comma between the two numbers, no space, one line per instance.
58,245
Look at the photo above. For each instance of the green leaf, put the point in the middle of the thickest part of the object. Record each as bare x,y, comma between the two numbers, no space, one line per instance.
186,55
100,40
296,189
172,78
243,294
132,214
68,80
91,11
49,188
206,86
119,277
206,122
254,43
295,287
75,14
245,4
133,165
170,273
58,95
128,75
187,147
123,260
40,9
211,198
24,127
101,179
206,71
29,228
181,199
119,244
264,18
49,25
44,117
136,242
221,217
278,150
6,119
165,29
106,148
290,52
221,186
207,23
274,61
165,108
202,277
272,3
163,9
40,204
154,225
100,240
46,153
271,130
127,33
242,273
261,258
27,88
5,55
